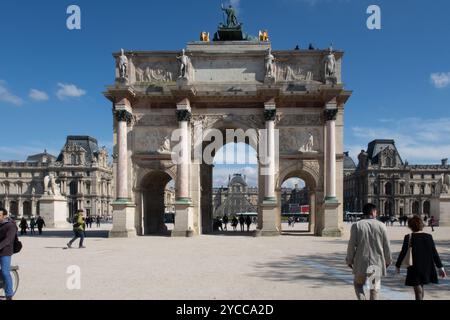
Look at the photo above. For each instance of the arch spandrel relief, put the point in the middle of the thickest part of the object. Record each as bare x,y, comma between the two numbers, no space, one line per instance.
301,140
153,141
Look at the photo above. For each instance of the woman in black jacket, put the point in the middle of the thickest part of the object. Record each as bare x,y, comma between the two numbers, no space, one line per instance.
425,258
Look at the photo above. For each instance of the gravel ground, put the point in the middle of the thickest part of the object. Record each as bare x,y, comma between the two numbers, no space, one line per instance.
230,266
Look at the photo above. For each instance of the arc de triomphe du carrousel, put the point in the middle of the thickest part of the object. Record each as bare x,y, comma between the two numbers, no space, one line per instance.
288,103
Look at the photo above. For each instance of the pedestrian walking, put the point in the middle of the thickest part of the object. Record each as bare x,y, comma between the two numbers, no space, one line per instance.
432,223
79,226
234,223
32,225
40,224
421,258
8,236
368,251
248,222
241,222
98,220
23,226
225,222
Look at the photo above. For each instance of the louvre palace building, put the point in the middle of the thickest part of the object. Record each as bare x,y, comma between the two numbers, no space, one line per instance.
396,187
81,171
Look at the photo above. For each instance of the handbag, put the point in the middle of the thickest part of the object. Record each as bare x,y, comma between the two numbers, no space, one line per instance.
408,259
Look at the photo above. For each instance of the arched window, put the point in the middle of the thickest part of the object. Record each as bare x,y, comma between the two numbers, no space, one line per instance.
73,186
415,207
73,159
422,189
388,162
375,188
426,207
388,188
402,188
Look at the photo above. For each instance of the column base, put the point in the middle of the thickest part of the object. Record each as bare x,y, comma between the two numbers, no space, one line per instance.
331,219
184,220
270,226
123,219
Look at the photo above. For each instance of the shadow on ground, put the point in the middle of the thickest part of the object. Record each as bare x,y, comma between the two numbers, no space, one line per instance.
67,234
330,270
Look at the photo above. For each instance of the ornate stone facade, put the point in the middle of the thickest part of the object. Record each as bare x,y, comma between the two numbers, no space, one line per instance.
396,187
227,85
81,170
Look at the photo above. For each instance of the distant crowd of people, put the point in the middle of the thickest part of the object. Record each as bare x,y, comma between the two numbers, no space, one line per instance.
39,223
222,223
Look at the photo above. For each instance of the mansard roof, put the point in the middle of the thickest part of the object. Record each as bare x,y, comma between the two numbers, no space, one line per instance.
89,144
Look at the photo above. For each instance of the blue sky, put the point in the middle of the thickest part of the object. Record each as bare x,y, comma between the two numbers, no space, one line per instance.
390,70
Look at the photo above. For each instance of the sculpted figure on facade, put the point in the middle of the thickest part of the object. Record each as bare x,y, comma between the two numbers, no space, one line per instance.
330,64
184,65
309,146
123,65
270,64
165,147
445,184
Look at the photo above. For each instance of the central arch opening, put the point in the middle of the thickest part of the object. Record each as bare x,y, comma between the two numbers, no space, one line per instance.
295,206
235,191
158,203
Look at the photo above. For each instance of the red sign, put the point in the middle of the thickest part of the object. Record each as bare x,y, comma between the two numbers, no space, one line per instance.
304,209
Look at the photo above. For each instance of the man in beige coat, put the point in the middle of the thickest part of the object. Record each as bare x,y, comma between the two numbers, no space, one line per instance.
368,252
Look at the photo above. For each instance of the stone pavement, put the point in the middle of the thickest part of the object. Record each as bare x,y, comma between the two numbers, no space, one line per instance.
225,267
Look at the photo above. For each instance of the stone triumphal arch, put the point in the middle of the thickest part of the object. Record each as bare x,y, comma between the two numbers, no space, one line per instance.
296,95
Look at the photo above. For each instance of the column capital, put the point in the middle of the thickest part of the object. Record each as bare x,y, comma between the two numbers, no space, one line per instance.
183,115
123,115
270,114
330,114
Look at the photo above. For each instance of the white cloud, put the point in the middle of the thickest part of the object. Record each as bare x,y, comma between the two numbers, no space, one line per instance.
440,80
418,140
37,95
69,91
292,182
7,96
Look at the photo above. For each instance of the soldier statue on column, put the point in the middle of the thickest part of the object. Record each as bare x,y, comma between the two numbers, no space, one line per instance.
123,65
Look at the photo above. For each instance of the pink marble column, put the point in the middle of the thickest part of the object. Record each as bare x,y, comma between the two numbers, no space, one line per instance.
269,178
123,118
184,116
330,118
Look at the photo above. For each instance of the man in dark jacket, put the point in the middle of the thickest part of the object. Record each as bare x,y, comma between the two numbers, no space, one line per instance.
40,224
8,233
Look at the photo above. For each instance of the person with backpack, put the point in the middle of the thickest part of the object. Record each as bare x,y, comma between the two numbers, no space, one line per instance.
79,227
8,240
